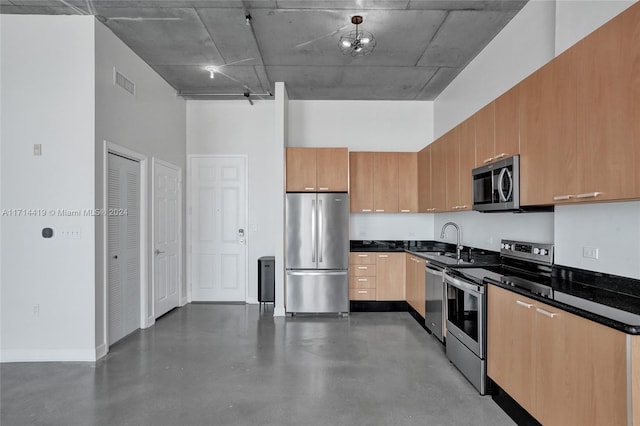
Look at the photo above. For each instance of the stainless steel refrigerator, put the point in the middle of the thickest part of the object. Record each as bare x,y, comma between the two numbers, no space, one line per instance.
317,252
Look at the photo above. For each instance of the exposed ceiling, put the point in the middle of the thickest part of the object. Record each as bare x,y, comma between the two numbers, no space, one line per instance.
421,44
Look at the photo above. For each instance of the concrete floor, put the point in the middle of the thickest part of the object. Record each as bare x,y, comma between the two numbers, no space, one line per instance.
233,365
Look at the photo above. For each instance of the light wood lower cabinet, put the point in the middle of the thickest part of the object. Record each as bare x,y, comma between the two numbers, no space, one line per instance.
562,368
415,291
376,276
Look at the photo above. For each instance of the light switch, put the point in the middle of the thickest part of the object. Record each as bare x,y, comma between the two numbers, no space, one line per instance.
37,149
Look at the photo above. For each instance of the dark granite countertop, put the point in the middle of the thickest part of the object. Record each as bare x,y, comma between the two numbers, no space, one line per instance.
400,245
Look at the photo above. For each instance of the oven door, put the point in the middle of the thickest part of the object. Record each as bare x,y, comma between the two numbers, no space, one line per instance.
465,313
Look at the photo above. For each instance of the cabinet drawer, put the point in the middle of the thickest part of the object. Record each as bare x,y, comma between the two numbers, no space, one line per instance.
362,294
362,259
362,282
362,271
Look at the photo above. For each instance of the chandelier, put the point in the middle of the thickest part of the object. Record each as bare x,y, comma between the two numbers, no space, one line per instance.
357,42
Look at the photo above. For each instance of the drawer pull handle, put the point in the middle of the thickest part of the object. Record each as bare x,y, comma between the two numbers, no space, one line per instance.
502,154
362,291
363,267
363,279
589,195
306,188
526,305
546,313
363,255
431,210
562,197
383,255
488,160
405,211
324,189
380,210
366,210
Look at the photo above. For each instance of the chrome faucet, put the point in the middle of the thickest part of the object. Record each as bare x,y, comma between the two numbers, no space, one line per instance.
458,246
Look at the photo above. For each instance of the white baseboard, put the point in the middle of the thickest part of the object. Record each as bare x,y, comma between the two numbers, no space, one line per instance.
279,311
101,351
184,301
48,355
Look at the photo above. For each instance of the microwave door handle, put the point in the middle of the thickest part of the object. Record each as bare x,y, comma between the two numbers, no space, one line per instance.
505,172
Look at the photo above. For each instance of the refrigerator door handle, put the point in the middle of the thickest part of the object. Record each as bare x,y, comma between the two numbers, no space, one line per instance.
316,273
320,231
313,230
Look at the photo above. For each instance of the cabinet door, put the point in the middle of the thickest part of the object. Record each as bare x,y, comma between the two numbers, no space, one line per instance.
301,169
390,276
548,133
467,163
361,178
385,182
609,110
409,288
452,170
439,175
507,124
485,134
408,182
332,169
510,340
424,180
580,370
419,278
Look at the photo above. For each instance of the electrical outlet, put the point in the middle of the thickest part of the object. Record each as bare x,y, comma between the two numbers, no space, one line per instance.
36,309
590,252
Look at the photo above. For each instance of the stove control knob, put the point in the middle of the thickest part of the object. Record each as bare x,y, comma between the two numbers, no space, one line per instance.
536,250
507,246
544,252
503,245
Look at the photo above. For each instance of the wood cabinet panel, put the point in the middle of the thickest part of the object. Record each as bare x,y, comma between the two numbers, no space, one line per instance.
362,282
363,270
358,258
439,175
390,276
385,182
452,168
548,132
362,294
485,134
332,169
635,380
467,152
424,180
510,334
415,288
408,182
507,124
608,116
361,178
580,370
301,169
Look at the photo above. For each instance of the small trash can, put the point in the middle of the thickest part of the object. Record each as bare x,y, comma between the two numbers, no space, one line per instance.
266,279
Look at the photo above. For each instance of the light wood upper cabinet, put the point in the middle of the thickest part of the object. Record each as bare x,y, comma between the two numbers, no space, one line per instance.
332,169
507,124
563,369
467,161
439,174
317,170
390,276
608,115
452,168
408,182
361,178
385,182
484,121
424,180
548,133
301,169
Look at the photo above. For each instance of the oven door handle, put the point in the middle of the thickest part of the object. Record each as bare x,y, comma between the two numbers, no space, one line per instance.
505,172
463,285
434,271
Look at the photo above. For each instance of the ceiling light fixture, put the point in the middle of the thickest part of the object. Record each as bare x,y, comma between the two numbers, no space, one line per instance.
357,42
212,71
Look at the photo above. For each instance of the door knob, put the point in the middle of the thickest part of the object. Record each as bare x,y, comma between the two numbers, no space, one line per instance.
159,251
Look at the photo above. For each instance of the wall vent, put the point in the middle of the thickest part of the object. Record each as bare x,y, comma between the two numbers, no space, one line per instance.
124,82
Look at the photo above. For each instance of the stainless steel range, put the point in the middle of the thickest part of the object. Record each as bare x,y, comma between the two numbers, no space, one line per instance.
524,265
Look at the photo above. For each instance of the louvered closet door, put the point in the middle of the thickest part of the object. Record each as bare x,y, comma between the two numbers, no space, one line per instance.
123,229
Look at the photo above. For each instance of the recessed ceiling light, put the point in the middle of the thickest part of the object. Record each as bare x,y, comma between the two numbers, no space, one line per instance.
212,70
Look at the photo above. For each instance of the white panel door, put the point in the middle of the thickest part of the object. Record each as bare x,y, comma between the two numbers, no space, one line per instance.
218,228
123,229
166,233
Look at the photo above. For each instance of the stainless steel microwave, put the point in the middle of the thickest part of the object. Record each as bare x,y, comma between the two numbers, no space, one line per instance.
496,186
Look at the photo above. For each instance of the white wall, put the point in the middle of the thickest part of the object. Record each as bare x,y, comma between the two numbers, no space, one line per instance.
237,128
575,19
361,125
524,45
48,98
383,226
612,228
151,123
